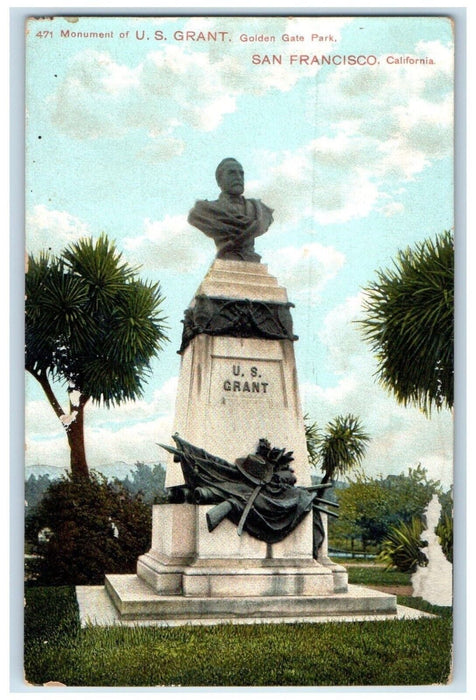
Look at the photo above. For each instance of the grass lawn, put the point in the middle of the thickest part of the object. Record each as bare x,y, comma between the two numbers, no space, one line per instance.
377,576
405,652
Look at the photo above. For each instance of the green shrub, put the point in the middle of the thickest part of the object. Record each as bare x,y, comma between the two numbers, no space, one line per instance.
402,548
96,528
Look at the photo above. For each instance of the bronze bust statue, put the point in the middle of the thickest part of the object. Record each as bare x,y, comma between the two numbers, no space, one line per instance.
231,220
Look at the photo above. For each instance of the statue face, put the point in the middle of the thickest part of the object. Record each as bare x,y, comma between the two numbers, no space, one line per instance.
232,178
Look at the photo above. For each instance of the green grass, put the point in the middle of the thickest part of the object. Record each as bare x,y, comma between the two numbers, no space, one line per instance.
406,652
377,576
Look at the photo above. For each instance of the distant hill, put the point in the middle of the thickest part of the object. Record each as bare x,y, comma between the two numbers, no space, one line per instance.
120,470
42,469
117,470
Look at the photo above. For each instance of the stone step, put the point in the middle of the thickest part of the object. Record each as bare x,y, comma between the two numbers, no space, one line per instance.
135,600
239,266
96,608
215,578
239,290
239,277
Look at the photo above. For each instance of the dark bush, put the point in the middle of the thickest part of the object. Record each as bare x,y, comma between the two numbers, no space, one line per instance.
96,528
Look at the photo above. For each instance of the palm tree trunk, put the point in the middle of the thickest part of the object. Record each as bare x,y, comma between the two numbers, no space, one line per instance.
75,433
74,427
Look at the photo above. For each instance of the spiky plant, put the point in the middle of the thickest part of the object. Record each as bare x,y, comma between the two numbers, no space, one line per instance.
409,324
92,324
402,547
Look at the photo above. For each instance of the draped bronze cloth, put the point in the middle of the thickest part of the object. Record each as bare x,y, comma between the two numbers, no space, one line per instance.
238,318
233,224
278,509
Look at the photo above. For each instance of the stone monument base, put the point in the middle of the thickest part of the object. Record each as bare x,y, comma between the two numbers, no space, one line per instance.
192,574
136,601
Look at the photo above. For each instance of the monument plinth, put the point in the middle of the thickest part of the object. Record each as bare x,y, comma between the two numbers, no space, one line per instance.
243,535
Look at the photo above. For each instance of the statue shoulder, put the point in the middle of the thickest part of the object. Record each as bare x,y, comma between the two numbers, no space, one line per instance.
204,214
204,205
206,202
262,210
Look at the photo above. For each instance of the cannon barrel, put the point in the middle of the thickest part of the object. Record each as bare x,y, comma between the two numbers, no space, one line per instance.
318,487
180,494
176,453
217,514
204,496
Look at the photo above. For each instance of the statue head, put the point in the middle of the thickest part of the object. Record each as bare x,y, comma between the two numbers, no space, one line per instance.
230,176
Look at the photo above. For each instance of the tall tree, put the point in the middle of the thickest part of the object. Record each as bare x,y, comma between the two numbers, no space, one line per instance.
93,325
409,324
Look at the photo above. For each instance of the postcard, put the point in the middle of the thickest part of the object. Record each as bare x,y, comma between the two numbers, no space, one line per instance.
239,351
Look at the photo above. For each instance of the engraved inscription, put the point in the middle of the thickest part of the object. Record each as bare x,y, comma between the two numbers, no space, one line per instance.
246,386
251,385
247,379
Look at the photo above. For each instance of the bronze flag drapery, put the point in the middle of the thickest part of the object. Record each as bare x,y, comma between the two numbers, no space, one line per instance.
277,508
239,318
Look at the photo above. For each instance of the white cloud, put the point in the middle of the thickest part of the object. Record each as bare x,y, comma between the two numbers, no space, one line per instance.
401,437
378,136
127,433
49,229
162,404
334,182
138,442
176,85
41,421
392,208
162,149
305,271
170,244
100,97
129,443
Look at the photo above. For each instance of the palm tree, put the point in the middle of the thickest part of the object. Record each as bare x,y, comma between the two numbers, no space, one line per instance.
409,324
339,448
92,324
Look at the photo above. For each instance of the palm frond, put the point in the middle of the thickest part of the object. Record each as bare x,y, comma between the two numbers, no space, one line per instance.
91,322
409,324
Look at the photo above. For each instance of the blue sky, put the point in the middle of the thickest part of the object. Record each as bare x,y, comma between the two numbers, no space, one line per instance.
124,135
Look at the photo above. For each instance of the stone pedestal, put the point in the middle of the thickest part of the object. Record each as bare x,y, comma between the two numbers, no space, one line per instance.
185,559
236,387
192,575
232,390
